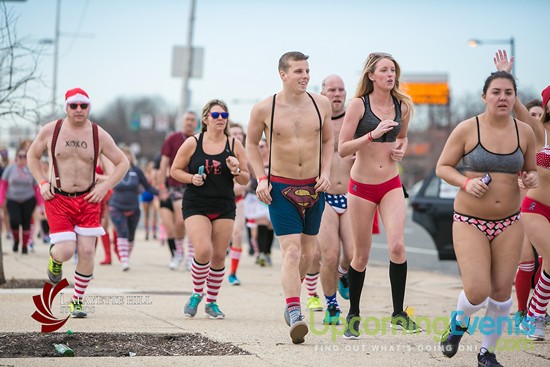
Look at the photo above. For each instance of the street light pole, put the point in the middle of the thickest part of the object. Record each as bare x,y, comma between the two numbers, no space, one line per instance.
188,64
511,42
55,55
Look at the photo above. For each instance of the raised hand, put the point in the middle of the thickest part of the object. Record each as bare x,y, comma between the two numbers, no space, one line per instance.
501,61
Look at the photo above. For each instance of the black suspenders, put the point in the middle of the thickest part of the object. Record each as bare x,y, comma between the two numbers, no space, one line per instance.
271,136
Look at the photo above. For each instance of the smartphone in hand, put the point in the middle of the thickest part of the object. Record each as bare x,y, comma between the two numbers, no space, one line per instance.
486,179
201,170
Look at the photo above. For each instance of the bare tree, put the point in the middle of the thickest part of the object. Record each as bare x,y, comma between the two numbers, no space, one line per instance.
18,70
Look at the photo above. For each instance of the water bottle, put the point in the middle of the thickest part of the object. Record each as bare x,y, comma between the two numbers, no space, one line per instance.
63,350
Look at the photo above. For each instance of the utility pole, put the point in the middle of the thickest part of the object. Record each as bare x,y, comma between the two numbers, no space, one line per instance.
188,65
55,55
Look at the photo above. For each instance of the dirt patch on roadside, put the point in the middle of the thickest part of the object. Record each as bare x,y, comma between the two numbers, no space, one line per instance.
23,283
33,345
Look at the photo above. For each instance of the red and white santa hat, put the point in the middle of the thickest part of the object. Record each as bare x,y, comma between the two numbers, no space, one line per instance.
77,95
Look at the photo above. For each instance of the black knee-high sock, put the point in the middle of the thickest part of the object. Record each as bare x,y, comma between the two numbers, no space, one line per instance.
398,280
262,238
45,227
269,242
356,279
171,246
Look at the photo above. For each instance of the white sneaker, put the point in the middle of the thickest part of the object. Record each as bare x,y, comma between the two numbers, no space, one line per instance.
176,261
125,266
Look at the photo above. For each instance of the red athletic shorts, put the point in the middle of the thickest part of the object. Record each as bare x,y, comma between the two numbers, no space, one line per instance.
373,193
69,216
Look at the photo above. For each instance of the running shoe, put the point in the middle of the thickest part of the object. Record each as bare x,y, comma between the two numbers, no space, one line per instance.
287,316
176,261
314,304
55,271
343,286
233,280
190,308
76,309
402,321
125,266
518,317
533,327
212,311
262,261
450,339
487,359
298,330
332,315
352,327
268,261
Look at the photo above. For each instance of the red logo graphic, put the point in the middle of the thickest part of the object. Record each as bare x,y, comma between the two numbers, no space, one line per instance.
43,305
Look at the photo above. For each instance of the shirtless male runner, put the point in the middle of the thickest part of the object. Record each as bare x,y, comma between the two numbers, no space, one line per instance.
299,133
71,191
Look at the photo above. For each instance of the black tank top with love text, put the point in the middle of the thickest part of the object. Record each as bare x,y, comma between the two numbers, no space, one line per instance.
217,192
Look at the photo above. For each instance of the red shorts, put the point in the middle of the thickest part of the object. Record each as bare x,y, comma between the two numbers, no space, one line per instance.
373,193
68,217
532,206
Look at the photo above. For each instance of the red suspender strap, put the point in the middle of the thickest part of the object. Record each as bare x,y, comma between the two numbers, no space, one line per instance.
96,149
54,161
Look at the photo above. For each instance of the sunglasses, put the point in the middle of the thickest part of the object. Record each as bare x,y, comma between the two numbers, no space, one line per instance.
215,115
83,106
379,54
22,155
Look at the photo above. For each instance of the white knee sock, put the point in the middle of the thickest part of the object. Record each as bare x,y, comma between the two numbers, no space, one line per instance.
500,313
465,309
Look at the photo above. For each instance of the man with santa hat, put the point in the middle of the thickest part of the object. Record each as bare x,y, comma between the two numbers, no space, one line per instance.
71,192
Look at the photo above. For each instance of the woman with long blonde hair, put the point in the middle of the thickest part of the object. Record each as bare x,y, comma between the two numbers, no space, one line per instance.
375,130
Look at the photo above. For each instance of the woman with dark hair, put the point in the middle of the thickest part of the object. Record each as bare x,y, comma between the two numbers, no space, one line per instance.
488,228
208,163
124,207
375,130
19,192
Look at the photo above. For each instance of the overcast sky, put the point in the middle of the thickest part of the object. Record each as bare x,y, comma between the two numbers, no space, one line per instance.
127,50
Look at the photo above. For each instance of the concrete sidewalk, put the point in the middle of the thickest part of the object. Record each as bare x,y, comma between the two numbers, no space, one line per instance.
254,317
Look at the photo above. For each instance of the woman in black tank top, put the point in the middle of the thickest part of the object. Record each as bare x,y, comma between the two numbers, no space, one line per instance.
208,164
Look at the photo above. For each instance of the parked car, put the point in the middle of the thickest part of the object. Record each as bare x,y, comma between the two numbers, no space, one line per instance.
433,209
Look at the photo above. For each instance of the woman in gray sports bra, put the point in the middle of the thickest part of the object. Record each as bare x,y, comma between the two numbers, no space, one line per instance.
487,229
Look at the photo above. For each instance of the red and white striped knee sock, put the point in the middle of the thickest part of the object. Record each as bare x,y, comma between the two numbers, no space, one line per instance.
123,249
179,247
311,284
213,284
523,283
539,269
80,284
341,271
199,273
541,296
235,255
